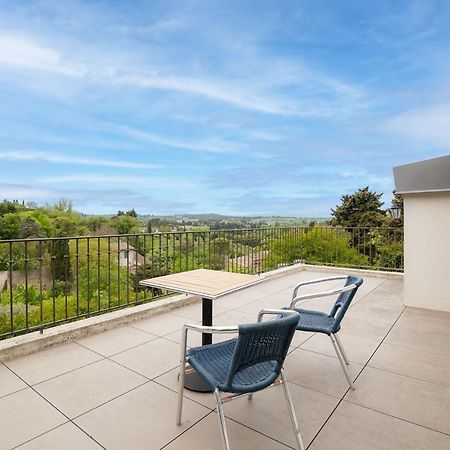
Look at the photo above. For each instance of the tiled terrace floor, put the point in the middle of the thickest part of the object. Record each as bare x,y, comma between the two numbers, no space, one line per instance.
116,390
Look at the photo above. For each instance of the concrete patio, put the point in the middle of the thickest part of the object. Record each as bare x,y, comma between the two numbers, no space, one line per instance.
117,389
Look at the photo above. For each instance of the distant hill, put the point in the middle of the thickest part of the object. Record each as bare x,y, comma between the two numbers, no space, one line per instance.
222,217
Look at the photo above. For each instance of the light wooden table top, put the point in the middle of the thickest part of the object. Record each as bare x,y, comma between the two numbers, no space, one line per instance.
203,282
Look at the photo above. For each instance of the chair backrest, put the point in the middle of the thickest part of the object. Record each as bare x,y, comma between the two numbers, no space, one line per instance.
259,354
343,301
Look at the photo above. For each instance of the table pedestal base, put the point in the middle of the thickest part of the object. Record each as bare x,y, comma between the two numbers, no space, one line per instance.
194,382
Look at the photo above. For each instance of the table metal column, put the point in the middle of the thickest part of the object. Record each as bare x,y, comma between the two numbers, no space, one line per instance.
207,319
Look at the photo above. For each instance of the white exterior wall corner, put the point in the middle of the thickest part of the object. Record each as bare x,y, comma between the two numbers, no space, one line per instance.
427,250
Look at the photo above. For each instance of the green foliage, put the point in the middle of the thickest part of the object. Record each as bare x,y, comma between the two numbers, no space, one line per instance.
60,251
315,245
64,226
95,223
10,226
125,224
29,228
63,206
153,268
8,207
388,244
42,219
361,209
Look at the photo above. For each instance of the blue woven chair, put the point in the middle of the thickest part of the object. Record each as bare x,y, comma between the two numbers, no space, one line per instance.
251,362
330,324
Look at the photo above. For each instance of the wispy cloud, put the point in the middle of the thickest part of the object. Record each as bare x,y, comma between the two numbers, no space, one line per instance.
429,125
17,51
210,146
154,182
23,191
20,155
156,29
25,53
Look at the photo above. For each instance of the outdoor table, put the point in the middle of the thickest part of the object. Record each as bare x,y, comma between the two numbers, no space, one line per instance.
208,284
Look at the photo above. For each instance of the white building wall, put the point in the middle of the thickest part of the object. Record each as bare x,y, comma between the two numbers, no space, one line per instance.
427,250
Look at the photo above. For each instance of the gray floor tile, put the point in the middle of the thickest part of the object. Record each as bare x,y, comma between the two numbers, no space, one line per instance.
234,317
195,337
267,412
170,380
65,437
414,363
49,363
359,349
9,382
83,389
423,330
151,359
407,398
193,313
206,435
161,324
352,427
25,415
318,372
114,341
145,419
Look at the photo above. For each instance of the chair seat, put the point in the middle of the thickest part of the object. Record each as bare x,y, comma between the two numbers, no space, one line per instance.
212,362
316,321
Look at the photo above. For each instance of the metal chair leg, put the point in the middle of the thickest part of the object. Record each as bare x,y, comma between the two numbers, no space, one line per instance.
223,426
291,410
342,361
181,376
341,348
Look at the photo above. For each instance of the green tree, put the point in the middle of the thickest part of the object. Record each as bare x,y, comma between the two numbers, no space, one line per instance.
315,246
63,206
131,213
29,228
7,207
361,209
95,223
10,226
42,219
60,250
125,224
64,226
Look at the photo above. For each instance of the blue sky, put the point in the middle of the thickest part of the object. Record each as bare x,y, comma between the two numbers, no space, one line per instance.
234,107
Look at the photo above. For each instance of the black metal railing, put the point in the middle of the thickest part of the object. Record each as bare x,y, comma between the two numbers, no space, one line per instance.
44,282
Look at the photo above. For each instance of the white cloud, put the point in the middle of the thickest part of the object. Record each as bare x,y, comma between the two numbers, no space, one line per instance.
250,94
64,159
211,146
154,182
429,125
216,91
24,53
17,191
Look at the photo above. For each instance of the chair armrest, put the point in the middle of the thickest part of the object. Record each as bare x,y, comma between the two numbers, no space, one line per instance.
321,294
211,329
276,312
317,280
202,329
